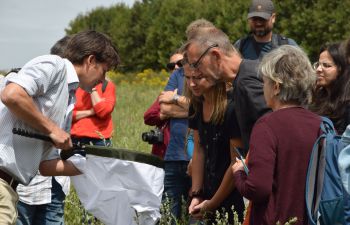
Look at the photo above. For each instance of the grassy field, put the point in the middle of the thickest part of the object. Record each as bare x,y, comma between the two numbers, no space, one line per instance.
132,102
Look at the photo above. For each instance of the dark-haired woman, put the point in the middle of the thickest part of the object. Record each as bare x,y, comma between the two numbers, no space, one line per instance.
331,97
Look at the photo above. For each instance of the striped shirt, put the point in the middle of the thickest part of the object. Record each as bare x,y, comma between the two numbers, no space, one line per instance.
46,79
38,192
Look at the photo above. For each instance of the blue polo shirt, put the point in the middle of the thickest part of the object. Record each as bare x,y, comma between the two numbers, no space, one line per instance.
178,127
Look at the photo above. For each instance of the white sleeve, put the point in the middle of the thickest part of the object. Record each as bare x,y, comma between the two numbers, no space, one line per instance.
39,74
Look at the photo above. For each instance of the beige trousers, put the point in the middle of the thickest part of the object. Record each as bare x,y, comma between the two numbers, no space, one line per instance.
8,204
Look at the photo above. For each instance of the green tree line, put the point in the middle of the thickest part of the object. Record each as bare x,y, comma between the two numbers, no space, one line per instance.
150,30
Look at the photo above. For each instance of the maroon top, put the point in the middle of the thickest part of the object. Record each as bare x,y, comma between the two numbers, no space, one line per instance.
280,148
152,118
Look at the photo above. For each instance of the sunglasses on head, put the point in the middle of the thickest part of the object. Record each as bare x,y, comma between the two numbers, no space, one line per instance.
171,66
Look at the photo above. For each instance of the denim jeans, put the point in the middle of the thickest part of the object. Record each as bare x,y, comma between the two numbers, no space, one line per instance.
176,185
45,214
95,141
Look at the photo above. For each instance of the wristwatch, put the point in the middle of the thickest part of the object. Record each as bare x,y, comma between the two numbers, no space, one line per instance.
176,98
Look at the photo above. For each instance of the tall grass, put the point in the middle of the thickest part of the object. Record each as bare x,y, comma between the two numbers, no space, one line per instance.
132,102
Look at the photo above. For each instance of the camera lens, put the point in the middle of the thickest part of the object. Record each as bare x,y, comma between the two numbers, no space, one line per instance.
145,136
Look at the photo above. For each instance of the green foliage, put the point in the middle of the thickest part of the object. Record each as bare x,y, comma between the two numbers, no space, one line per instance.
311,25
148,32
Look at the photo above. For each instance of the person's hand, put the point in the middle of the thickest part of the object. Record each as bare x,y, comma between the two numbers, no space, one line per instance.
61,139
194,212
237,166
200,209
167,96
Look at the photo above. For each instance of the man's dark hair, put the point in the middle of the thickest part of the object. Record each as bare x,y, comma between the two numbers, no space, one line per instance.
60,46
86,43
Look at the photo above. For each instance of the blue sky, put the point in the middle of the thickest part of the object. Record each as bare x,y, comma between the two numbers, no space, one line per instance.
30,27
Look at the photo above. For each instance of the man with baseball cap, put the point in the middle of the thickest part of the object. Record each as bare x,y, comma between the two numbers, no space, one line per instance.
261,40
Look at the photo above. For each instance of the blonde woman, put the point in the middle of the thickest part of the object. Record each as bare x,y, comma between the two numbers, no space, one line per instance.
211,116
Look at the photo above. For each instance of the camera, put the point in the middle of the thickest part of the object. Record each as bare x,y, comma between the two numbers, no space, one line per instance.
153,136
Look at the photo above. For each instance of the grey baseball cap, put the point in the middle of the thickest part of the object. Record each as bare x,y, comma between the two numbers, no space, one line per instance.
261,8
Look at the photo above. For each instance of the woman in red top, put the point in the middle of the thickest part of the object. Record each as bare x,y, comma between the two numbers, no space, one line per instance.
92,115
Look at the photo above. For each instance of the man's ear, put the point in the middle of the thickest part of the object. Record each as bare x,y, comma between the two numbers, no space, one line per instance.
91,59
273,18
217,55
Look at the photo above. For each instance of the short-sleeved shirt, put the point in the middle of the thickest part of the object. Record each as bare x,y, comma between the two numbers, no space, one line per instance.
46,79
178,126
215,142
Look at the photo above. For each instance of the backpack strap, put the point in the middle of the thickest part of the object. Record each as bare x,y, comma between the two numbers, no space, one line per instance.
104,85
327,126
316,171
244,40
241,42
278,40
315,177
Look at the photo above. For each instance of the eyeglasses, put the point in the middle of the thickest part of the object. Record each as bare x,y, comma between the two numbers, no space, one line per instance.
196,63
323,65
171,65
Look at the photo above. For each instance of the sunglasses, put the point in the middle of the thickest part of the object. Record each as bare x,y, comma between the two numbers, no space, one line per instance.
171,66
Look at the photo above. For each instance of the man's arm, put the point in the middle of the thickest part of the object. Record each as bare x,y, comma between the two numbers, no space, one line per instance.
58,167
23,107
